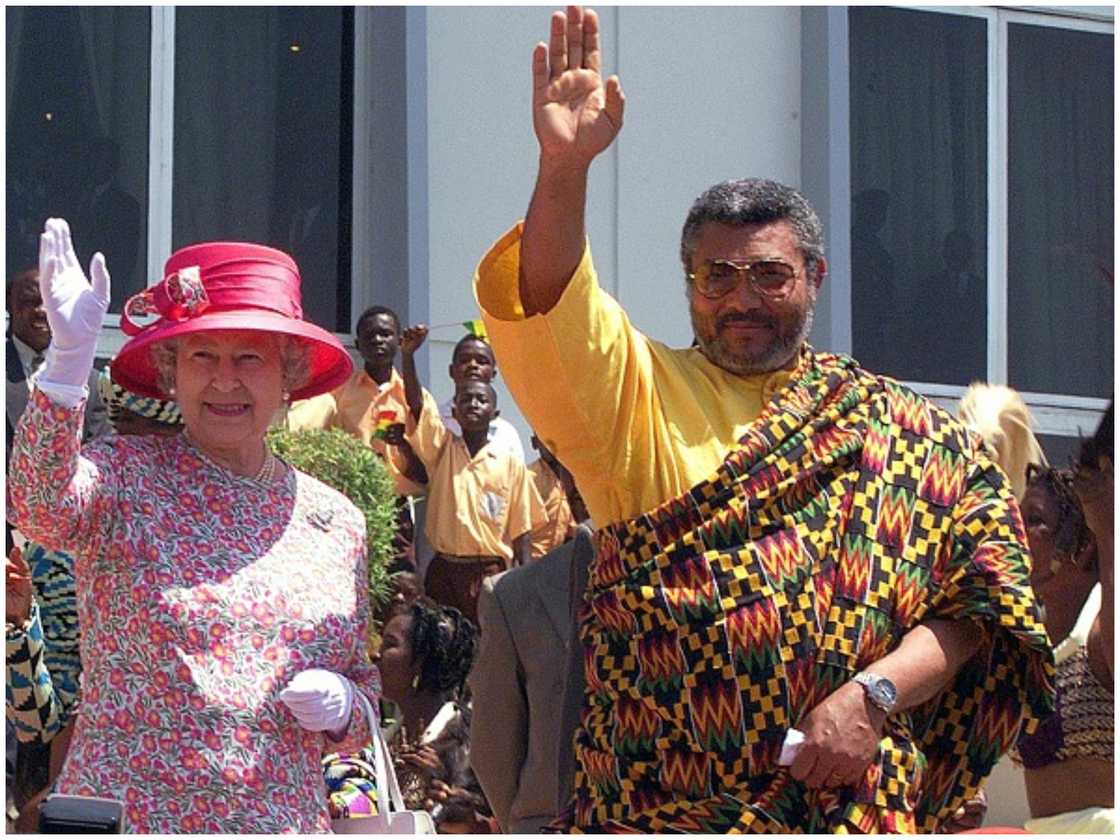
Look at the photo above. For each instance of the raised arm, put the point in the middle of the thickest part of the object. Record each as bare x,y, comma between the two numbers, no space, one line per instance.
411,340
56,497
575,117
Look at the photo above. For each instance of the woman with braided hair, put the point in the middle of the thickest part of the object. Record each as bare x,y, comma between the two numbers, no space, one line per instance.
426,653
427,650
1068,761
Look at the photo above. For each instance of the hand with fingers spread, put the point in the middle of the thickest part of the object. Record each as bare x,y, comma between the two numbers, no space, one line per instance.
575,115
17,588
74,307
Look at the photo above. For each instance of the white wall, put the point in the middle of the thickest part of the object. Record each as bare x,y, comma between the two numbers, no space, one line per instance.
712,93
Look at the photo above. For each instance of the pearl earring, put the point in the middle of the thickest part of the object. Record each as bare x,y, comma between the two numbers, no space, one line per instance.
171,391
285,395
416,682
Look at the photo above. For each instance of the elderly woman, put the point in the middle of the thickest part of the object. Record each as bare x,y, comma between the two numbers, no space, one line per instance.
221,593
1069,760
43,666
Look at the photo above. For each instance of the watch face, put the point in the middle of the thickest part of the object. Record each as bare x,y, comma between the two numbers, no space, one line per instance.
884,693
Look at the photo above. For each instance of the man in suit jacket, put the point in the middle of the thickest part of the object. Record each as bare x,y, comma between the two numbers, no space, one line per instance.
518,686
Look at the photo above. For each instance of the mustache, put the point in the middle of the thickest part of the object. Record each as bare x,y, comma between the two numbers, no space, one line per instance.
756,318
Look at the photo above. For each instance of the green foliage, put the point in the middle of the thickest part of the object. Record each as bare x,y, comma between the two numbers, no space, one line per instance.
352,468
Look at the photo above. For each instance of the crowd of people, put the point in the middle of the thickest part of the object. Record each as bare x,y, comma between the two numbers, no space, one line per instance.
746,585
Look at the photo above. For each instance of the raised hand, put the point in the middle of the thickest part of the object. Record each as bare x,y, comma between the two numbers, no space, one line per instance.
575,115
413,337
74,307
17,587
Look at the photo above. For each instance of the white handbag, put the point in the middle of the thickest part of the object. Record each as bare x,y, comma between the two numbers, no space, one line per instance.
392,817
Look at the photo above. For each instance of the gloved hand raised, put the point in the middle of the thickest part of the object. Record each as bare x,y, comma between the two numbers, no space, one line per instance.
320,700
74,308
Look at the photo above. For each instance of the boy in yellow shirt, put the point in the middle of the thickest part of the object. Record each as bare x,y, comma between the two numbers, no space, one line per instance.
563,506
370,405
482,505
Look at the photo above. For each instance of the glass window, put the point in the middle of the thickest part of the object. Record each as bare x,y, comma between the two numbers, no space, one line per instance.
919,178
263,139
1060,210
77,139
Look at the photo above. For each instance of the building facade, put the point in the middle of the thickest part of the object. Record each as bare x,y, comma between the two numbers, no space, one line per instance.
962,160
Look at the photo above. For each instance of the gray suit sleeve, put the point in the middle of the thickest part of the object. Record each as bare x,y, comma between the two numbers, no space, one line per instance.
574,682
96,421
500,722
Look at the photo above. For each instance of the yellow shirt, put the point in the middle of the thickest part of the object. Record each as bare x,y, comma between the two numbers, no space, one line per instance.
476,504
636,422
560,524
354,407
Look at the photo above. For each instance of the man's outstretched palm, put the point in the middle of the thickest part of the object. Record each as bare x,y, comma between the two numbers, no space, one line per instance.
575,115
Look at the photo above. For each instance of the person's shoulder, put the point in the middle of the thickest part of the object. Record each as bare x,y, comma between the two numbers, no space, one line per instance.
327,501
686,361
901,406
555,564
509,461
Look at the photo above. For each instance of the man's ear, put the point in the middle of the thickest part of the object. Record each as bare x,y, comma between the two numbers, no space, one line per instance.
819,275
451,371
494,416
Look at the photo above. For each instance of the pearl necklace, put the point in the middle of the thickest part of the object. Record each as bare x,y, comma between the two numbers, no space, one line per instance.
265,475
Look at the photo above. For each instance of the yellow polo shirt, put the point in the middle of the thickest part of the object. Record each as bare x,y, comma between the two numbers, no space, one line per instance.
636,422
354,407
476,504
560,524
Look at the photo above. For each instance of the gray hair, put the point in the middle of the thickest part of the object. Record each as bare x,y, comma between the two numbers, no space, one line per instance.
295,362
753,201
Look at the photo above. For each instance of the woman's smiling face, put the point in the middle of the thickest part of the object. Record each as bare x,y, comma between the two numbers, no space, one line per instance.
228,384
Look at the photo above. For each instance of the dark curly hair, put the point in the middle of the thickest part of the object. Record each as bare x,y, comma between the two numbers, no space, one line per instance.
1072,534
443,642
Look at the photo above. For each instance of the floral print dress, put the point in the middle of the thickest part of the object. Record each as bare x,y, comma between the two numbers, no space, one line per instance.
200,594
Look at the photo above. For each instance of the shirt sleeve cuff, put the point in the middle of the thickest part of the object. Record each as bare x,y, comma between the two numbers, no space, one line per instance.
67,396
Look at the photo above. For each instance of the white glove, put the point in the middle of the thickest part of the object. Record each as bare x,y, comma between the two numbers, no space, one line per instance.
74,308
320,700
791,746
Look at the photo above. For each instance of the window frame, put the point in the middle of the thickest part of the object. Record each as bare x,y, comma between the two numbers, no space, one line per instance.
1064,415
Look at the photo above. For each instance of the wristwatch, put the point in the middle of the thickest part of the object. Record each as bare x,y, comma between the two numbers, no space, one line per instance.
880,691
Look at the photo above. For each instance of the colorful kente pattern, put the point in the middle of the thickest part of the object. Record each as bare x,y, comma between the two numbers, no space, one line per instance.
43,661
851,511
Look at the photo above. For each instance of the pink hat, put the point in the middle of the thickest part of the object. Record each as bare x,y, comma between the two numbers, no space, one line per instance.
225,286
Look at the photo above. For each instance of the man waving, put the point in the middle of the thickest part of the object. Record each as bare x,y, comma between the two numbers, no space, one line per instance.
793,552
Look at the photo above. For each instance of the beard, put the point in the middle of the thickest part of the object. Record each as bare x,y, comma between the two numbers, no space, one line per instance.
790,335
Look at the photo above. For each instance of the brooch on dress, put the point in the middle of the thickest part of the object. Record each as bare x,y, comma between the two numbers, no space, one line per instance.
321,519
